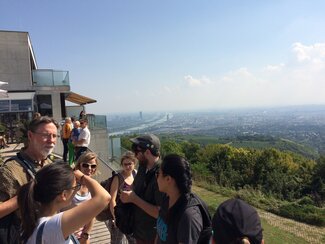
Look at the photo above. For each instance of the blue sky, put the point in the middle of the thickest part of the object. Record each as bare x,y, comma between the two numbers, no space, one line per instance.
168,55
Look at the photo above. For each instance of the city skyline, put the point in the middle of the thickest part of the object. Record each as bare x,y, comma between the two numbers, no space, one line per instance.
142,55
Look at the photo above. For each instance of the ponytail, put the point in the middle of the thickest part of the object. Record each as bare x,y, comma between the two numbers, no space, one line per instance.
29,209
49,182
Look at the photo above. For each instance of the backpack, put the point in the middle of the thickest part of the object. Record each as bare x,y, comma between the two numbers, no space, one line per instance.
106,214
9,225
195,200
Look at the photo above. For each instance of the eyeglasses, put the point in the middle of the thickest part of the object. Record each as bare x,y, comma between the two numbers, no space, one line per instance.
46,135
92,166
76,187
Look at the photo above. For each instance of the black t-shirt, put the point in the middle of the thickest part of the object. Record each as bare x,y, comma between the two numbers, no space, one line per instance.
176,225
146,187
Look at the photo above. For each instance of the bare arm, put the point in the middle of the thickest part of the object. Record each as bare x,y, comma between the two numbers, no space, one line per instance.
130,196
113,192
8,206
87,229
79,216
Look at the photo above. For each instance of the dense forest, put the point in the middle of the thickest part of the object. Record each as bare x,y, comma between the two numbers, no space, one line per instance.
283,182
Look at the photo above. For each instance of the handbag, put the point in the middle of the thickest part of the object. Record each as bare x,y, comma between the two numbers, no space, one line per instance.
124,217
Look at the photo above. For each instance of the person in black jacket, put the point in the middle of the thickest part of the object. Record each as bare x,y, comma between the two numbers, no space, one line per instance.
145,195
180,219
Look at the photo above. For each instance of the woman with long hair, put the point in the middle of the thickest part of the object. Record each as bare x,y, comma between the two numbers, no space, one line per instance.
87,164
53,189
121,182
179,220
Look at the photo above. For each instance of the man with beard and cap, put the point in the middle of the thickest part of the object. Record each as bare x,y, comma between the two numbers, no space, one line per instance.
20,169
145,195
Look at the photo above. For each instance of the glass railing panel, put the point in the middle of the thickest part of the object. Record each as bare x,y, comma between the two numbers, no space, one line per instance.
42,78
61,78
50,78
97,121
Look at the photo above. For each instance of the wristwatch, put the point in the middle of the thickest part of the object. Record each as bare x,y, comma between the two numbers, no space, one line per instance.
85,235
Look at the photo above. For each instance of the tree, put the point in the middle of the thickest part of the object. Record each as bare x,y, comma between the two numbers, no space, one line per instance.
170,146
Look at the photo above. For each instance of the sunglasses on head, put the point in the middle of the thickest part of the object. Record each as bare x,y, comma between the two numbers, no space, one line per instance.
85,165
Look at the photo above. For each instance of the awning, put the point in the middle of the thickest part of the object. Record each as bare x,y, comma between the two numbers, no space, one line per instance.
79,99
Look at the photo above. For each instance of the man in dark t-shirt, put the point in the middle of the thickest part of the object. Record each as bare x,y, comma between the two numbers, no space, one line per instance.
145,195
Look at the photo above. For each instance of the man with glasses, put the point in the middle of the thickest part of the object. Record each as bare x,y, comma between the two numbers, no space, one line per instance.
145,195
19,170
83,141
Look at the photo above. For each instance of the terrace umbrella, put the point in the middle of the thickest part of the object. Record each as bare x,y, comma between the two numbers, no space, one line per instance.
3,93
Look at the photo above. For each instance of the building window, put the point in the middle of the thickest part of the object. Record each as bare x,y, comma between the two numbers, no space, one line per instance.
4,106
21,105
44,103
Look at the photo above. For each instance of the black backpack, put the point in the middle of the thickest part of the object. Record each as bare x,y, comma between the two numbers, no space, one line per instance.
106,213
195,200
10,224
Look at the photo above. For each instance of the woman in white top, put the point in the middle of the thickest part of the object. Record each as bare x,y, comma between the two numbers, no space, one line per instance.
53,189
87,164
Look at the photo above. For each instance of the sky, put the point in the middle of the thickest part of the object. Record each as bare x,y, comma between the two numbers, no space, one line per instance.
170,55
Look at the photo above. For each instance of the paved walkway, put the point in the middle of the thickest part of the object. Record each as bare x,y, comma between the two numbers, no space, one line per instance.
99,234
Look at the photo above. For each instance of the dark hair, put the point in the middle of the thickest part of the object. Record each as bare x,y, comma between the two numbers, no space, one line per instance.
49,182
35,123
179,169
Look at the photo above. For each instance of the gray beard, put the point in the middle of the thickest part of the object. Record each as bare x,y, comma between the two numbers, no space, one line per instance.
45,153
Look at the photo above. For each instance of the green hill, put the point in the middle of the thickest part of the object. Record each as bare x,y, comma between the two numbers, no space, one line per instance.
251,141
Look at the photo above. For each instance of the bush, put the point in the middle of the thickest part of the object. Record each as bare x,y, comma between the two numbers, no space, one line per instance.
304,213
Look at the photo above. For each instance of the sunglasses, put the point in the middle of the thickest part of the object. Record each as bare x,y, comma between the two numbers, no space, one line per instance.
76,187
92,166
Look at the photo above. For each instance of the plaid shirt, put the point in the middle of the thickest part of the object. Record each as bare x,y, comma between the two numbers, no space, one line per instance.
13,176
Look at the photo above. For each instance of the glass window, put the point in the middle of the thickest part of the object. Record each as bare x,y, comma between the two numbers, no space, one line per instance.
21,105
4,106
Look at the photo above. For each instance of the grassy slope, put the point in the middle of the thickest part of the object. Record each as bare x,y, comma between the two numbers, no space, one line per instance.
271,233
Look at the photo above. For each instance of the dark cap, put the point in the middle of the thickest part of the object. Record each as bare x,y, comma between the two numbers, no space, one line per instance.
147,141
235,219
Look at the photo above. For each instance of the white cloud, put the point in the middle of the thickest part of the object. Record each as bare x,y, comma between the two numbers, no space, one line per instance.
313,53
274,68
194,82
299,80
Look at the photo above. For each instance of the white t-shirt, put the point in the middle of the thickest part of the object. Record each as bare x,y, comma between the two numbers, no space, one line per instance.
52,232
84,134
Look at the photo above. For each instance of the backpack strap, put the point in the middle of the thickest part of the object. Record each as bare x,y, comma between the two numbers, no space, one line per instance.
39,235
24,163
195,200
74,239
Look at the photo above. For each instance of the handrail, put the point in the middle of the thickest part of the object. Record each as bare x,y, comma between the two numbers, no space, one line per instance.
102,160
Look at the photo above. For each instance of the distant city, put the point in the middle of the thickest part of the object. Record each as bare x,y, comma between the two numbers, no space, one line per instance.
302,124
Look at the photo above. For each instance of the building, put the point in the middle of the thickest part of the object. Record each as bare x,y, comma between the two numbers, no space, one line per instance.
46,91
